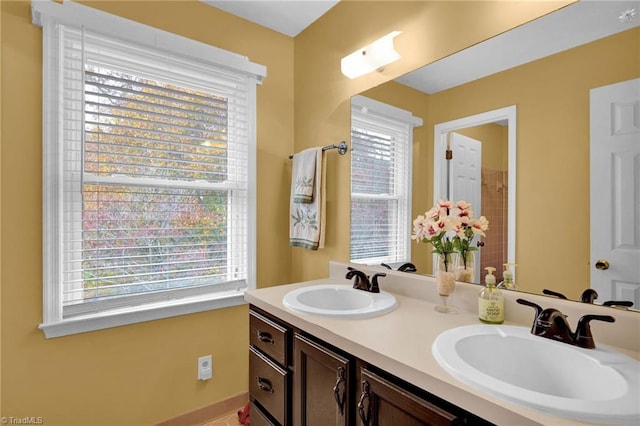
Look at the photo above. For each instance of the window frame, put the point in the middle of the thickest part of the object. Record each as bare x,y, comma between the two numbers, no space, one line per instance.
405,119
47,15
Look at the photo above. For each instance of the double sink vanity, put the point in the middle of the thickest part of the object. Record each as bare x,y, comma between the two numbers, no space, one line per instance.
324,353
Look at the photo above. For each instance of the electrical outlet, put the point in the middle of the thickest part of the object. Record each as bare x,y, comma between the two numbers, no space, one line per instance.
205,367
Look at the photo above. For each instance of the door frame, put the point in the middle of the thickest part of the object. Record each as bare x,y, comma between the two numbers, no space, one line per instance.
441,130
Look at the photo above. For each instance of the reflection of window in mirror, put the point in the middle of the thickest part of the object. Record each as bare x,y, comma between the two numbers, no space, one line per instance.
381,141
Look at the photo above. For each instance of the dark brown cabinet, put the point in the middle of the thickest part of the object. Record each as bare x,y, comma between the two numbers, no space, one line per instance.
382,402
322,385
269,370
298,380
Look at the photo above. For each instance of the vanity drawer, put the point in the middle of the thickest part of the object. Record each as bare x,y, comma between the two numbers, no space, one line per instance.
259,418
269,385
269,336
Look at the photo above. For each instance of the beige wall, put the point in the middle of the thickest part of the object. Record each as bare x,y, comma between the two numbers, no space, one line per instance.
0,214
145,373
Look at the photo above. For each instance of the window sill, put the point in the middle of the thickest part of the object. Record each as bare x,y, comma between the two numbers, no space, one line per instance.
133,315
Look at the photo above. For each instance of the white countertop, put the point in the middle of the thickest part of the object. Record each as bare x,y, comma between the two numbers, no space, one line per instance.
400,343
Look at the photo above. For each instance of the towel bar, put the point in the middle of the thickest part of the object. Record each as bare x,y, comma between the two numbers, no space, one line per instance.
341,147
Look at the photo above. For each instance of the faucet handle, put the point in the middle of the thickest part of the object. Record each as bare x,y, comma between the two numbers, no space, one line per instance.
622,303
375,288
538,309
553,293
583,336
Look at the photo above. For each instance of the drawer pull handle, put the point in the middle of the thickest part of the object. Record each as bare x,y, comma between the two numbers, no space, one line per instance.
264,385
364,398
265,337
337,393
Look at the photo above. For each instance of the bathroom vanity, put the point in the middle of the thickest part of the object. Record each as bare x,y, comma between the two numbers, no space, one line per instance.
308,369
298,379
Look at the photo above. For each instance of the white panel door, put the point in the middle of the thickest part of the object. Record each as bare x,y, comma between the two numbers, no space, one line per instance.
465,178
615,191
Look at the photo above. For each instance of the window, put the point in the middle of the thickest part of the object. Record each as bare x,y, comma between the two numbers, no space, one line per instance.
381,139
149,172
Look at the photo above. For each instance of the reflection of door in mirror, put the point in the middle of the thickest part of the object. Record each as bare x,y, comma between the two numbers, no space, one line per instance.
496,132
615,199
490,179
465,164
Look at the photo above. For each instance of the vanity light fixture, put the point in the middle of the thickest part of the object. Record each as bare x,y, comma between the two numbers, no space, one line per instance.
370,57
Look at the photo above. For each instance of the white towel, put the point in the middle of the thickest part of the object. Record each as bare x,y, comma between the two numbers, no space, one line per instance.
307,220
303,175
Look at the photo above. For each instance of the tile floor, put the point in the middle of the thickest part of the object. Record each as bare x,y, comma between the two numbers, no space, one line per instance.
229,419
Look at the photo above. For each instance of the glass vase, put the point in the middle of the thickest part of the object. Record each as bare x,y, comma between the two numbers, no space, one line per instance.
465,267
446,282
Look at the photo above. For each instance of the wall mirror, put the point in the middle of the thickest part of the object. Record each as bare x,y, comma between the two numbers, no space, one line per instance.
545,71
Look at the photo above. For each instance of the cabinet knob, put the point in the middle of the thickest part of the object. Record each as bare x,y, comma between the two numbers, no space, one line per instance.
364,404
602,264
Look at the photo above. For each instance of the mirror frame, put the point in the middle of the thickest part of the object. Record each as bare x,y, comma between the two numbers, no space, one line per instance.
441,130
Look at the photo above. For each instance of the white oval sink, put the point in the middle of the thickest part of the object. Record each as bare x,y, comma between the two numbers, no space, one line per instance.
339,300
592,385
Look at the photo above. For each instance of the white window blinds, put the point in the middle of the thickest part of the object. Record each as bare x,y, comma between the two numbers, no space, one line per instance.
381,138
149,163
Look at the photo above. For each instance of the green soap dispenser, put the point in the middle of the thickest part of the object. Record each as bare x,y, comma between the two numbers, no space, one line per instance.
490,300
507,275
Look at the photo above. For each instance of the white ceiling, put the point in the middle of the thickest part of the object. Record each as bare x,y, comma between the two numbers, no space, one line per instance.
288,17
576,24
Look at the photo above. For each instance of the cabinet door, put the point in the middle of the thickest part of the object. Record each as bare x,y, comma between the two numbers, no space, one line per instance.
322,385
384,403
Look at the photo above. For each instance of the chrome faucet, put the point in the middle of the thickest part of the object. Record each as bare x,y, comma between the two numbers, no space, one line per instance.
361,281
552,324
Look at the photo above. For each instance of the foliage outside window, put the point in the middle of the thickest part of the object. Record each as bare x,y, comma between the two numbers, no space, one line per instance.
149,177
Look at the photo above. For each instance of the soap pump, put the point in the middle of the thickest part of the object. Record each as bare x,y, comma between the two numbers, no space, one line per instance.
507,276
490,300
